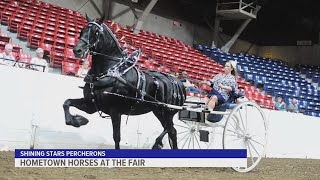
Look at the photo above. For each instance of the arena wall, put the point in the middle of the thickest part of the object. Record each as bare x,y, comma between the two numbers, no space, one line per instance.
238,46
293,54
32,114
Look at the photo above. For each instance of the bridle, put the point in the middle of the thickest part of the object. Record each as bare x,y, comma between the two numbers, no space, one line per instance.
98,32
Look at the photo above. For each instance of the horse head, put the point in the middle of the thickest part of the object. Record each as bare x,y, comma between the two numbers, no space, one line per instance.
96,37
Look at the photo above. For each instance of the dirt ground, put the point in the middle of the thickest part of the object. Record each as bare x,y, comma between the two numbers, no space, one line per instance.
267,169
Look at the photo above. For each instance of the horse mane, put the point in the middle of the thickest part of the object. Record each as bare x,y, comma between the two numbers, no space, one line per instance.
113,37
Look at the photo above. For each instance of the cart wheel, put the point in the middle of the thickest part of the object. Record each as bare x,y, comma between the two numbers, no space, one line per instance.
188,135
246,128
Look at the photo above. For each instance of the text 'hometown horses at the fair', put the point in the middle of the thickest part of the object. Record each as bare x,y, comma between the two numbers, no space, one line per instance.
115,86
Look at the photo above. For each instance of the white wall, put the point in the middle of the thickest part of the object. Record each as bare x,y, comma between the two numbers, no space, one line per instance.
37,98
29,97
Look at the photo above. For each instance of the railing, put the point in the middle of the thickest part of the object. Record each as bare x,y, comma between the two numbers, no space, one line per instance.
23,64
249,6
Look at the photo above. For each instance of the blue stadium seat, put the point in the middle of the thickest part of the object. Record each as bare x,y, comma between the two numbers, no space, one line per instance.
249,77
309,108
302,108
313,114
311,104
302,97
309,75
309,98
303,70
277,80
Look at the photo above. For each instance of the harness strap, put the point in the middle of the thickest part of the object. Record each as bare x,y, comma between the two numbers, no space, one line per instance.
174,85
155,82
181,97
138,79
122,67
134,88
91,85
143,88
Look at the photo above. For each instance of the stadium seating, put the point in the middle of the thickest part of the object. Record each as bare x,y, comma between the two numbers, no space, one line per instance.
42,25
56,29
178,57
4,40
69,68
311,72
276,78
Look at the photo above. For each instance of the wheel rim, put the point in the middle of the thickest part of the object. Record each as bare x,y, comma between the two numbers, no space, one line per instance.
188,135
246,128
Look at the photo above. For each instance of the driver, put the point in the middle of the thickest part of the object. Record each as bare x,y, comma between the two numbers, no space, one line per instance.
223,85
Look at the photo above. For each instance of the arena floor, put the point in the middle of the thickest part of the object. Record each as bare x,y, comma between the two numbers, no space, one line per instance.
267,169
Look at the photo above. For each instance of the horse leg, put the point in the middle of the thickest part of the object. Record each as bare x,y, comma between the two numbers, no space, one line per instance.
166,121
116,123
81,104
158,144
172,132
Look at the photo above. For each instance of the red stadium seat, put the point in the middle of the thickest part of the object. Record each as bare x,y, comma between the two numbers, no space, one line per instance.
48,38
34,40
5,16
5,38
16,48
69,57
69,68
14,23
59,45
70,42
25,57
46,47
56,59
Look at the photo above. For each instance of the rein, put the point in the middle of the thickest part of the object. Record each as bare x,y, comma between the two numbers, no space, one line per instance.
111,58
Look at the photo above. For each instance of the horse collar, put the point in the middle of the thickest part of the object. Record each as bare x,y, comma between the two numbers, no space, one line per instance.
122,67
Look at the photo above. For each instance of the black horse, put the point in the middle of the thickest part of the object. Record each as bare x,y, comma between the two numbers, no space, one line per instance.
117,89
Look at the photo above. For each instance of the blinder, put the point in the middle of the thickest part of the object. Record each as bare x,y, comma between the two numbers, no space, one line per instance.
99,30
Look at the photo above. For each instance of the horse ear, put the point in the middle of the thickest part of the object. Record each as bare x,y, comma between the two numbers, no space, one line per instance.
87,17
102,18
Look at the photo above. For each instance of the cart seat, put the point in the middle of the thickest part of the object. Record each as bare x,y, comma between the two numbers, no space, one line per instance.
223,107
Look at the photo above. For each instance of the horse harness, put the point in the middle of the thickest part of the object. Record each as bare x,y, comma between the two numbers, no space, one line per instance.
122,67
115,73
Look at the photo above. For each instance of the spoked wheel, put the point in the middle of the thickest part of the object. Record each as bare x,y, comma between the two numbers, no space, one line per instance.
188,135
246,128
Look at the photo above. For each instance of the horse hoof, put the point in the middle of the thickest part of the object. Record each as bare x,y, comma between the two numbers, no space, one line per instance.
73,123
77,121
80,120
157,146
